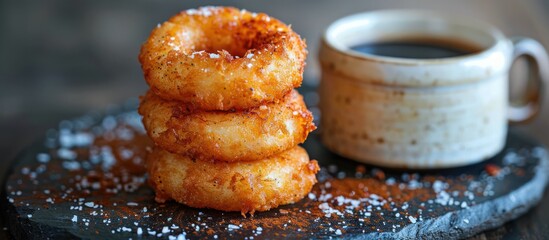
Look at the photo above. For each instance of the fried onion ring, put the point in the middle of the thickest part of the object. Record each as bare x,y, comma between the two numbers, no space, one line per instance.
240,186
246,135
222,58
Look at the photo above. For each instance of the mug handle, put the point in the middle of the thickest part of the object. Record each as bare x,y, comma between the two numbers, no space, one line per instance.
538,66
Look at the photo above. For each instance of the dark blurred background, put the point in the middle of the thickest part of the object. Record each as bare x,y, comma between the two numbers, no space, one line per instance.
60,59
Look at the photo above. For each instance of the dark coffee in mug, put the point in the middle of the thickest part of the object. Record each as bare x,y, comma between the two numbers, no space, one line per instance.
386,101
419,48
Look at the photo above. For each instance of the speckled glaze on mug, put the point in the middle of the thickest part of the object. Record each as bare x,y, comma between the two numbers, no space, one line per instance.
419,113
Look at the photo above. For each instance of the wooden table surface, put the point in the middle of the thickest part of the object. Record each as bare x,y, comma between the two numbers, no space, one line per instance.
61,59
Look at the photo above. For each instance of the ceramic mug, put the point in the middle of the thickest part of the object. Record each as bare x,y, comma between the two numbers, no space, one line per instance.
421,113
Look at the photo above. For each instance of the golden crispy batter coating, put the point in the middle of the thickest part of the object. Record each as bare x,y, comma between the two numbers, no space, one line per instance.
240,186
222,58
247,135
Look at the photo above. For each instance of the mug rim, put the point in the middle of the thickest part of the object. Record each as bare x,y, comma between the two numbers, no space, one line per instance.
495,34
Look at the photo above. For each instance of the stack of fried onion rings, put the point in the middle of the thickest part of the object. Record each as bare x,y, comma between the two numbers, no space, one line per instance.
222,111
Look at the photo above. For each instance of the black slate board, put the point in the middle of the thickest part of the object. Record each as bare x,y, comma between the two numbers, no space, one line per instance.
70,185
